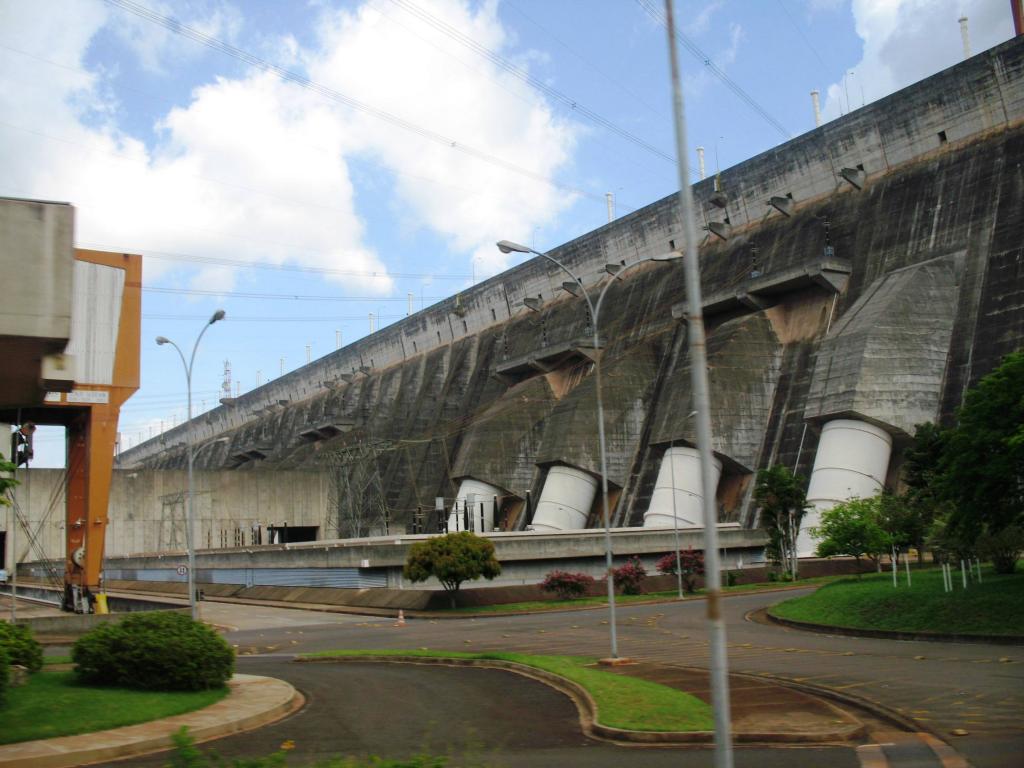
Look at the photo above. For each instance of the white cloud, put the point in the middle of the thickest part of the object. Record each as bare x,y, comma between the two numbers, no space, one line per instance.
157,48
698,24
255,168
908,40
411,70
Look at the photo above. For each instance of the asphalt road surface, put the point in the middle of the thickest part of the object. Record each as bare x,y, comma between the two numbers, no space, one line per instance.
487,717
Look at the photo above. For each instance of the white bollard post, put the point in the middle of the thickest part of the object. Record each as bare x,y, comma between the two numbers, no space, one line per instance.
963,572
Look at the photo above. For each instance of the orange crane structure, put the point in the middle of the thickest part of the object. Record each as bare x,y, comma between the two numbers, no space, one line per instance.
78,381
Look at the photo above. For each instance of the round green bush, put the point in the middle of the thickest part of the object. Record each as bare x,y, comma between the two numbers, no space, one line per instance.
158,651
21,648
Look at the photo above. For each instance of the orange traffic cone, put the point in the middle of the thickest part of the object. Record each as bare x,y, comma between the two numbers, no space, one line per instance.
401,618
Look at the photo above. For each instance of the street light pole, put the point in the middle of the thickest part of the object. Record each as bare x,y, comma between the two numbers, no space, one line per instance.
506,246
701,403
190,516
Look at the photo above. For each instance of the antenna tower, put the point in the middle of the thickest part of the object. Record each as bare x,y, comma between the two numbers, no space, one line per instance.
225,388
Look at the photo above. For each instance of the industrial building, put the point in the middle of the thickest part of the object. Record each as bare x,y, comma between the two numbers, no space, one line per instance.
856,279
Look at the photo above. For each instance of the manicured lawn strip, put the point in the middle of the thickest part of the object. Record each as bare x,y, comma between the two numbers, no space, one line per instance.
47,660
597,600
53,704
622,702
994,607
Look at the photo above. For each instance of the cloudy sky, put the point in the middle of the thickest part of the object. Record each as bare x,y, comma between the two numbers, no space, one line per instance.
303,165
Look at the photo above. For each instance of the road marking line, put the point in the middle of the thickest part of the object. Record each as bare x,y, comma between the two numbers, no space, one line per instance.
946,754
872,756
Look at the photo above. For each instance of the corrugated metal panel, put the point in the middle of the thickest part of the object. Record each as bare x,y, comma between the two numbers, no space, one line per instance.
340,578
349,578
95,317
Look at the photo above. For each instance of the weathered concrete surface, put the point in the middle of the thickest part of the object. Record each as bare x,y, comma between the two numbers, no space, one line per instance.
147,508
941,199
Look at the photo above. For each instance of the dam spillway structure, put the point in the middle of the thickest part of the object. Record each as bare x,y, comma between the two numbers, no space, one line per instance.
856,280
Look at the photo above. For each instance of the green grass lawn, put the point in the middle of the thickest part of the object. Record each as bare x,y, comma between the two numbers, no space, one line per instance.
53,704
599,600
994,607
622,702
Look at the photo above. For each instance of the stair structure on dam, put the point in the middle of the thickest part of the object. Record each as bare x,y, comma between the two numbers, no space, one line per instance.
857,280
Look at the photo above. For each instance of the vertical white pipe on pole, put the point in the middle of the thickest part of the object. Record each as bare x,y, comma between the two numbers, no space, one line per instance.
609,198
408,296
675,520
699,383
965,36
700,162
817,108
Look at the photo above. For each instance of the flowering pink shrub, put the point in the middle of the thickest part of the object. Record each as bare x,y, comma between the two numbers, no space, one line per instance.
567,585
630,577
691,565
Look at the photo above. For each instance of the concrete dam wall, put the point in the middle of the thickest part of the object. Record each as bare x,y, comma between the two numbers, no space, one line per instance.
856,281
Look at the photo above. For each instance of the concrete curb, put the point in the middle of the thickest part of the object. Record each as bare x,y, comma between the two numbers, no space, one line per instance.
882,634
588,712
253,701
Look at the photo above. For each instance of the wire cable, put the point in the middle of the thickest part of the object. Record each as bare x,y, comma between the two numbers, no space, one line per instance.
659,16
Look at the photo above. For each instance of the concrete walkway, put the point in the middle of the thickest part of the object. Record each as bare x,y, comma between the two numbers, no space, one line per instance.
253,701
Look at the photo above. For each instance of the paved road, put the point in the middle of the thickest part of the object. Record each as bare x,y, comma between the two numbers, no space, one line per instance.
978,688
479,717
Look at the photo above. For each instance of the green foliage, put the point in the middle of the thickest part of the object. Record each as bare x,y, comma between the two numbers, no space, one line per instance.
782,498
995,606
630,577
1003,548
852,528
21,648
40,709
567,586
982,464
690,566
5,673
157,650
6,482
452,559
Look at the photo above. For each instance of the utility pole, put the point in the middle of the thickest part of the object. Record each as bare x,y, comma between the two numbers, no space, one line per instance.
701,401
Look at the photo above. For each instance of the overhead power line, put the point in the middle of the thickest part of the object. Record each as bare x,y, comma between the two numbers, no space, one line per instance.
282,296
238,264
524,75
659,16
176,27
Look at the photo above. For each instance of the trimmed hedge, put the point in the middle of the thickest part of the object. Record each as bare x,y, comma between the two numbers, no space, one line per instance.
158,651
21,648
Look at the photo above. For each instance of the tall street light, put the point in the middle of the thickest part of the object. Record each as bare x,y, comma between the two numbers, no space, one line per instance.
190,512
701,403
506,246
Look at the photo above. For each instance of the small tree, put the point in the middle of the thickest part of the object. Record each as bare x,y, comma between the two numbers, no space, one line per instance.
7,482
782,497
852,528
567,585
452,559
982,465
691,565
